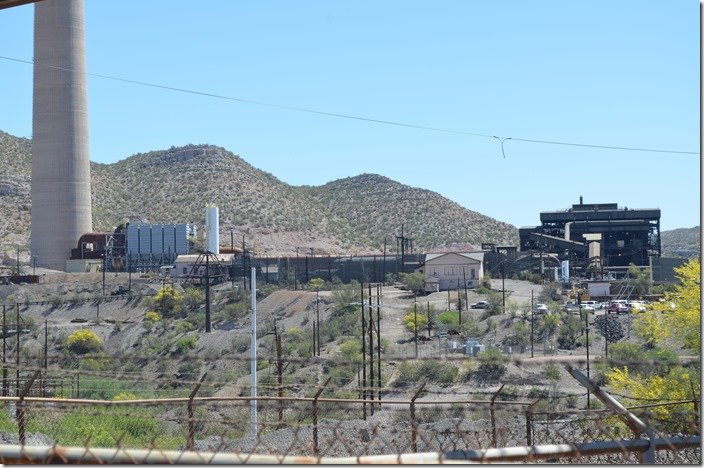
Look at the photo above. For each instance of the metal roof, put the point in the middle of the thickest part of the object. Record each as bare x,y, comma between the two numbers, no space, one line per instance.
478,256
14,3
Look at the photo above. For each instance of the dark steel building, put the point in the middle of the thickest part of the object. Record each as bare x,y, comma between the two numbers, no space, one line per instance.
596,235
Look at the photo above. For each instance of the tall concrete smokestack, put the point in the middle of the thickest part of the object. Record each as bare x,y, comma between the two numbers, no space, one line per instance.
61,199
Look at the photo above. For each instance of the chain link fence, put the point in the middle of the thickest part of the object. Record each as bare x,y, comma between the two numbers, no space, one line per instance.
428,427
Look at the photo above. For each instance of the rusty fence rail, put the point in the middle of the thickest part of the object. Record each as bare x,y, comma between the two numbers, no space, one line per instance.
291,428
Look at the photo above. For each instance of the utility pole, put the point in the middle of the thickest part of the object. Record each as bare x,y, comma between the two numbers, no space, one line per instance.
403,241
383,268
532,321
317,317
253,368
371,349
415,323
207,292
280,377
378,339
459,303
244,266
364,355
464,276
104,259
503,288
46,344
4,351
428,319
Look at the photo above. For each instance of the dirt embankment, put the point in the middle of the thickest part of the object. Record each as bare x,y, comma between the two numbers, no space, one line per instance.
118,320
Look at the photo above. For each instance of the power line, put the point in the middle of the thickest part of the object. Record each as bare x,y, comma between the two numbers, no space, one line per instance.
352,117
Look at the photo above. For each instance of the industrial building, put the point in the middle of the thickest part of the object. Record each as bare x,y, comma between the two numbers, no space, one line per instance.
596,239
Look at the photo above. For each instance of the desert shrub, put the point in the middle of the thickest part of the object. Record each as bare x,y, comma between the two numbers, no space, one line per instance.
188,371
415,321
233,311
432,371
298,342
569,331
493,365
535,393
152,316
341,374
467,370
83,342
184,326
186,343
168,301
192,299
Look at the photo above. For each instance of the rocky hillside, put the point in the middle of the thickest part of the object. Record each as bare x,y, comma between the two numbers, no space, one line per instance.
355,215
682,243
349,216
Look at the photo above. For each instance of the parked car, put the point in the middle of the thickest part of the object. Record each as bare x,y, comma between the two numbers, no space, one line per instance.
588,308
479,305
541,309
638,306
619,308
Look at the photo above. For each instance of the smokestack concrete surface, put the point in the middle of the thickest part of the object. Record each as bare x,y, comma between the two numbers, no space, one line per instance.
61,198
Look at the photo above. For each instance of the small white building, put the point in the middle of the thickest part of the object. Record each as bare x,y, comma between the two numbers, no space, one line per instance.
194,265
453,270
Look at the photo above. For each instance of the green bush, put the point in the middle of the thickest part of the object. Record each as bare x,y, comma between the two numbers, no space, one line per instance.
431,371
493,365
83,342
186,343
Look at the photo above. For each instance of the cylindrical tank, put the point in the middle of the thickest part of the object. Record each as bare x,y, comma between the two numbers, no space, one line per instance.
212,227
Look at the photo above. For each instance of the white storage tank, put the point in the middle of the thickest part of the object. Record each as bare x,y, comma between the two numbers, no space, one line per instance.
212,229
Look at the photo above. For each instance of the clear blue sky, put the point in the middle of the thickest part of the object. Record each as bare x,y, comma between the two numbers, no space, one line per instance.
602,73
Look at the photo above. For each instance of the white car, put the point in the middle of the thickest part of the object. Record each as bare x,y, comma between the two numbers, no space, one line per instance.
587,308
541,308
638,306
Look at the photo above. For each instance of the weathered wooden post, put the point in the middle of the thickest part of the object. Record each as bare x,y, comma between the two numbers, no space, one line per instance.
493,416
191,418
414,423
315,415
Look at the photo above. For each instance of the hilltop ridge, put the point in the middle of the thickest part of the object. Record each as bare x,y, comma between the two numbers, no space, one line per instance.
355,215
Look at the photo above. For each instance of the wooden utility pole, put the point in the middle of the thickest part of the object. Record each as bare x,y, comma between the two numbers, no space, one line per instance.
371,348
280,378
364,355
378,339
4,351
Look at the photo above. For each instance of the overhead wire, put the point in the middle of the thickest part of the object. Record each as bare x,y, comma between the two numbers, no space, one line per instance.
353,117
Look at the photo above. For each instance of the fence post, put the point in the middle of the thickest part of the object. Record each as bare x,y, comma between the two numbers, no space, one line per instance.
529,423
315,415
191,419
493,416
696,407
21,417
414,423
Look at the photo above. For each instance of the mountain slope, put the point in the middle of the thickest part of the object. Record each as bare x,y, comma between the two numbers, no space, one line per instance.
378,206
682,242
349,216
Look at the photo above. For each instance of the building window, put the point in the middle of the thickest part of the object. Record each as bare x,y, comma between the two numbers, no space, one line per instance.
474,273
450,270
433,271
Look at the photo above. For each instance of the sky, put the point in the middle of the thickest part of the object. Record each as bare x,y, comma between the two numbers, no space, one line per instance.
508,107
